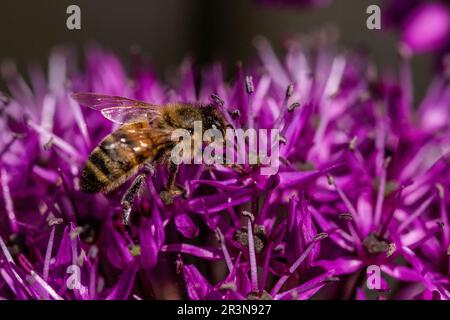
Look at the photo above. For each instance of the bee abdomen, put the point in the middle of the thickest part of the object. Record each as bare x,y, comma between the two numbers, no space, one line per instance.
116,158
92,180
105,171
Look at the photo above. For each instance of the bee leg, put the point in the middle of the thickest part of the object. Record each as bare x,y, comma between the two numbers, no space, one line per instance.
172,190
133,191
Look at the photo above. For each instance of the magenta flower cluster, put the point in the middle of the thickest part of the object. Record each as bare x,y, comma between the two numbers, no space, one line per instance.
364,183
424,25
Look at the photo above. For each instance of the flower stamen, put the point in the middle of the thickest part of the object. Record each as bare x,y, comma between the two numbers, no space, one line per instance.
349,219
431,233
298,262
9,205
226,254
416,213
251,249
48,253
343,196
381,191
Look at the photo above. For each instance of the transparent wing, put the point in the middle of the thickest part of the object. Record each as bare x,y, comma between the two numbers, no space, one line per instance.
129,114
117,109
99,101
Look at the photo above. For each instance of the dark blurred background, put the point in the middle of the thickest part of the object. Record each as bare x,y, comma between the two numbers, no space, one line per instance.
168,30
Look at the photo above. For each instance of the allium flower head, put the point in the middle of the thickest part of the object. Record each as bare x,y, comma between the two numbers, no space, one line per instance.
362,180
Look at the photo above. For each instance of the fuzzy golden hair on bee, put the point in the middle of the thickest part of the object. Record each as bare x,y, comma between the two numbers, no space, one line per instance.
144,137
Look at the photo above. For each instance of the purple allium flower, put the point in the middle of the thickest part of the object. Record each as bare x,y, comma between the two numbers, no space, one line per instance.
432,22
424,25
363,180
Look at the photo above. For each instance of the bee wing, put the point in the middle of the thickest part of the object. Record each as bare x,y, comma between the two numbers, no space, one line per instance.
99,101
130,113
117,109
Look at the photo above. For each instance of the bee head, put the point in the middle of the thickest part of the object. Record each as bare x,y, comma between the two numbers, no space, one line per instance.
213,119
184,116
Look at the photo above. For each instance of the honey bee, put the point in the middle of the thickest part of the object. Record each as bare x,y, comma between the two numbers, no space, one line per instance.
142,140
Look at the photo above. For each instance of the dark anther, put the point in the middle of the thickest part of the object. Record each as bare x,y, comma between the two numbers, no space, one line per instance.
259,237
346,216
289,90
48,145
375,245
293,106
249,215
330,180
320,236
352,143
235,114
259,296
285,161
249,84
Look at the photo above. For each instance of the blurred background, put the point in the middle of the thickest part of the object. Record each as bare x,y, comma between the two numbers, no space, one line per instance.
168,30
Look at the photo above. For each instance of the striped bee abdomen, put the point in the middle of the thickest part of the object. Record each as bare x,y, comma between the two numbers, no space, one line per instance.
117,157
